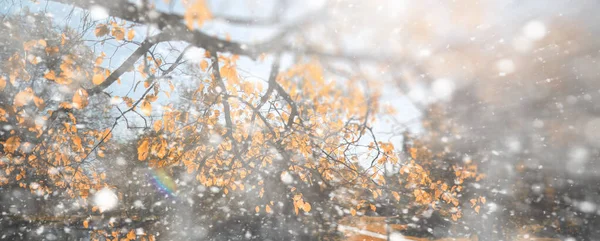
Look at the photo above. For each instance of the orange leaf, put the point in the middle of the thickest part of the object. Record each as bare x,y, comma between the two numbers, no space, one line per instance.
101,30
86,224
477,209
143,150
99,60
2,83
146,108
24,97
130,34
268,209
353,212
52,50
118,33
306,207
157,125
131,235
50,75
204,65
197,13
98,79
77,141
80,98
257,209
39,102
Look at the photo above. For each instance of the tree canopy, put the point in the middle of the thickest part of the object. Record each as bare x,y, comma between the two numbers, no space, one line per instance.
208,120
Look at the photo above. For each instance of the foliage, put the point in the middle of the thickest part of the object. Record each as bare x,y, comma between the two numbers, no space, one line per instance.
299,143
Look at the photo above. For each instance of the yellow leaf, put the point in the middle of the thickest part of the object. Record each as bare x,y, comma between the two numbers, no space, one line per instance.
98,79
63,39
146,107
268,209
143,150
50,75
197,13
24,97
77,141
39,102
131,235
157,125
204,65
29,44
101,30
2,83
86,224
482,200
99,60
373,207
80,98
257,209
52,50
353,212
118,33
413,152
396,196
130,34
306,207
477,209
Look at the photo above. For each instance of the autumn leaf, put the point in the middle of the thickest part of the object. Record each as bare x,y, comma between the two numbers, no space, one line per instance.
80,98
99,60
12,144
157,125
130,34
477,209
101,30
52,50
50,75
353,212
143,150
204,65
98,78
86,223
257,209
306,207
396,196
196,14
2,114
268,209
118,33
146,107
24,97
77,141
373,207
27,46
131,235
2,83
39,102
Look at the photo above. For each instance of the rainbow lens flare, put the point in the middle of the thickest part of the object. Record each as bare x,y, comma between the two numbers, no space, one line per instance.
163,182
